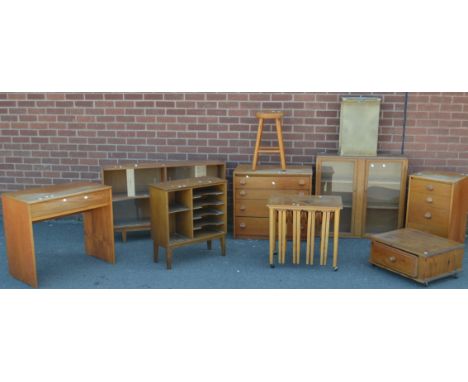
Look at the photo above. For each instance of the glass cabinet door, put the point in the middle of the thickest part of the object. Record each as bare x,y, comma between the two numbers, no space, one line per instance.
382,198
337,178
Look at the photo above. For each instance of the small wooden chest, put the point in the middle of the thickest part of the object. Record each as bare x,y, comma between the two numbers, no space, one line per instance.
418,255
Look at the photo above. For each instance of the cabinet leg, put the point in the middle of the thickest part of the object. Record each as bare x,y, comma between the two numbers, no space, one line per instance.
155,251
208,244
169,258
124,236
222,242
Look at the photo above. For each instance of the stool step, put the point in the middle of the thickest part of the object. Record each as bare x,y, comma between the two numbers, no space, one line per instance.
268,150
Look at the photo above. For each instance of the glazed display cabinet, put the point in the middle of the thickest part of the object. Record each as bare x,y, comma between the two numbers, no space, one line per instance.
372,189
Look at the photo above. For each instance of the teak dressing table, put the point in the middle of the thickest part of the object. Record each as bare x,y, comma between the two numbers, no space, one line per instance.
23,208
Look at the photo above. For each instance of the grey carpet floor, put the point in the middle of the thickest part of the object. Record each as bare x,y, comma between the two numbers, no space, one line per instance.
62,263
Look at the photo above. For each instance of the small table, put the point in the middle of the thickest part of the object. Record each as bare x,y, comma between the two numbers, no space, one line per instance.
22,208
418,255
304,208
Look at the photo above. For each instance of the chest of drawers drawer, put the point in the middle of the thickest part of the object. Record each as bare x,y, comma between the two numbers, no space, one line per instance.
254,208
70,204
394,259
272,182
253,194
421,200
431,187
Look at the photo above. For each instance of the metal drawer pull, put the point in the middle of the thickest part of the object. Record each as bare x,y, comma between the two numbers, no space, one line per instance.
392,259
273,183
429,199
64,199
242,208
242,225
243,193
430,187
242,181
428,215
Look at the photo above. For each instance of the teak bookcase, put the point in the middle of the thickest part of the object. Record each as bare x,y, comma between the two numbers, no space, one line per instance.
373,190
187,211
130,183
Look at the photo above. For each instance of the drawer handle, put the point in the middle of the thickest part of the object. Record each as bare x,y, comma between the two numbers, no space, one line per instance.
242,208
392,259
302,182
243,181
86,197
242,225
428,215
242,193
273,183
429,199
430,187
64,199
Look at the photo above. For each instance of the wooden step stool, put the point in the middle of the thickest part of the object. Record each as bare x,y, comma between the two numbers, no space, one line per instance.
276,115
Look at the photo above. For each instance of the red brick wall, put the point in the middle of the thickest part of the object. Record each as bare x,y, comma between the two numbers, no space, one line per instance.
52,137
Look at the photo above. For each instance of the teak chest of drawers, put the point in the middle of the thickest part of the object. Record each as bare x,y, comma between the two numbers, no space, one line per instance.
438,203
252,189
418,255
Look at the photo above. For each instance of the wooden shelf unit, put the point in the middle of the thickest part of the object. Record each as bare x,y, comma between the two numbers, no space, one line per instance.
130,187
188,211
373,190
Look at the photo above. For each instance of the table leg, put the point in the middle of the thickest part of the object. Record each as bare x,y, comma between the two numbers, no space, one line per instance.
222,241
19,240
298,237
327,234
155,251
208,244
284,234
336,234
169,258
294,236
309,226
323,238
272,236
99,233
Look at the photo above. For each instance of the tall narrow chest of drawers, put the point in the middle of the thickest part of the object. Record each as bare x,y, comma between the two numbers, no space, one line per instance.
252,190
438,203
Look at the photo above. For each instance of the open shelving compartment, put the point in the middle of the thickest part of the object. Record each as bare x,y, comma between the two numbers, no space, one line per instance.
130,187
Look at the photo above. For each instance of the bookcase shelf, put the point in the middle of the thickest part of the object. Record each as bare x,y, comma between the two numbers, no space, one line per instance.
130,188
187,211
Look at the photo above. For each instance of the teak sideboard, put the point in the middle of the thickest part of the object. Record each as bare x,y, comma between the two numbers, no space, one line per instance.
253,188
373,190
130,184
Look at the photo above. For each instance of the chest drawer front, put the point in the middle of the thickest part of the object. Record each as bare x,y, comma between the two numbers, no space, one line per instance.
265,194
394,259
428,215
251,226
422,200
255,208
67,205
428,186
273,182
